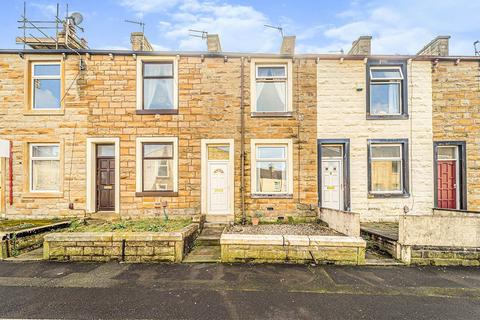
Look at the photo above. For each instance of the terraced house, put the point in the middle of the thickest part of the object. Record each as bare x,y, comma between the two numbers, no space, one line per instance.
230,135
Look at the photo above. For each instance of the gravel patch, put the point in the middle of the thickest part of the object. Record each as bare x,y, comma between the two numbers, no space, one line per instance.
304,229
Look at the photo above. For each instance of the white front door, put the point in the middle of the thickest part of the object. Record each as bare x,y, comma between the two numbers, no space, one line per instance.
332,184
218,195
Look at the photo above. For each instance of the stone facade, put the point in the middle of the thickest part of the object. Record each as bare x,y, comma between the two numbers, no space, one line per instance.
342,115
100,102
456,113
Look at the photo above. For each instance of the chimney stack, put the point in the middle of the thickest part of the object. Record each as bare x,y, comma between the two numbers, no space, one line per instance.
288,45
436,47
213,43
140,42
361,47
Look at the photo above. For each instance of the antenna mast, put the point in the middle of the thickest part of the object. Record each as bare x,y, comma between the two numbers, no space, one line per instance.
279,28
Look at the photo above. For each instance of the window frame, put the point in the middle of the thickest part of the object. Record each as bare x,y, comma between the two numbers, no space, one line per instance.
156,166
29,169
140,142
141,61
404,174
287,143
400,65
288,79
30,61
33,77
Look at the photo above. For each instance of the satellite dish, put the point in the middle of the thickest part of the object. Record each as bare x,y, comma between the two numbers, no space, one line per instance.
77,18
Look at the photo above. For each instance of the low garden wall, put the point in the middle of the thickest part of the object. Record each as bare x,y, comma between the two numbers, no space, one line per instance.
120,246
447,237
292,248
15,243
346,222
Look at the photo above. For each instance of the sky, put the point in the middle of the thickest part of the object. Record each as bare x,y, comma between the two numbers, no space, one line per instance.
397,26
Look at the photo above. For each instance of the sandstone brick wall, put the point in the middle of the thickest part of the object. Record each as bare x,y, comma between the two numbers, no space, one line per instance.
101,103
69,129
342,114
456,114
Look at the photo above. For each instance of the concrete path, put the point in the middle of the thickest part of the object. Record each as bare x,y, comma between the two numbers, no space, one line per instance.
219,291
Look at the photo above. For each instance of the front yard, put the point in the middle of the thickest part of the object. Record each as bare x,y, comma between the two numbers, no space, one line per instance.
143,225
145,240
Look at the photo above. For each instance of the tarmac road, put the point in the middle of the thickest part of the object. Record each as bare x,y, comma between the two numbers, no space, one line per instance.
49,290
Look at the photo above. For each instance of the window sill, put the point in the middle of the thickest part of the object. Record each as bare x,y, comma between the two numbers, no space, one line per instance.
32,112
156,194
288,114
42,195
157,111
387,117
271,196
388,195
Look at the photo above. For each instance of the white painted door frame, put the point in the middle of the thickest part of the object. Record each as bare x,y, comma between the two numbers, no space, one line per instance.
92,172
204,173
340,180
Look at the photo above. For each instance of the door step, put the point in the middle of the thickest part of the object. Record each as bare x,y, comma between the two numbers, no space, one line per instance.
204,254
207,246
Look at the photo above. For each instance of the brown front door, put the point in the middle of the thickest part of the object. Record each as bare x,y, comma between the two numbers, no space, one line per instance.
447,184
105,183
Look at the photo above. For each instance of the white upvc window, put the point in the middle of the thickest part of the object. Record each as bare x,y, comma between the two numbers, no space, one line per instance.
386,90
157,164
46,85
272,169
44,167
157,85
271,85
386,162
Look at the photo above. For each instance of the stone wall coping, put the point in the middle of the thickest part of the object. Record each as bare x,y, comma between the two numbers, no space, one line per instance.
119,236
292,240
237,238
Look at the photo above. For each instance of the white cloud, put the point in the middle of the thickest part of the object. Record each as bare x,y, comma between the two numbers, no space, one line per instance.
241,28
406,26
396,26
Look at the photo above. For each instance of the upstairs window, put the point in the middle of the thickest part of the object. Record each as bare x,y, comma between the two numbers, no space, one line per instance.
46,86
387,90
271,88
158,86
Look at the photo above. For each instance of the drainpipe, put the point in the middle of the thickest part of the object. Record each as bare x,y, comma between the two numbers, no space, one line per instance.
10,178
242,141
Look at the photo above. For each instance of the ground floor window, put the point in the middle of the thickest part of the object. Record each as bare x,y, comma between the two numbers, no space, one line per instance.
388,163
271,167
44,167
157,164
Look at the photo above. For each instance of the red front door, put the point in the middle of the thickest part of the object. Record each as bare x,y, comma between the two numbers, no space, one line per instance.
447,184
